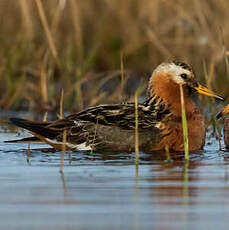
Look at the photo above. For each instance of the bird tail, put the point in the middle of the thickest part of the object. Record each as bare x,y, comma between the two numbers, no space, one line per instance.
40,128
31,140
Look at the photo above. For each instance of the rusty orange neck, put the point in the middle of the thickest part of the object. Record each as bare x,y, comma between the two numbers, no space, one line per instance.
169,92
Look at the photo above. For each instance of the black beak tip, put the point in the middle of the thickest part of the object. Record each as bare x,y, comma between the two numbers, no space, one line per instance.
219,115
222,99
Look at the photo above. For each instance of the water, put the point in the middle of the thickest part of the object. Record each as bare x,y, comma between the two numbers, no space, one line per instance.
107,191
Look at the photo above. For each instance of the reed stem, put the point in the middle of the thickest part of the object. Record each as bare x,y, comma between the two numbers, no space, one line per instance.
136,130
63,151
184,124
28,154
61,104
47,31
122,71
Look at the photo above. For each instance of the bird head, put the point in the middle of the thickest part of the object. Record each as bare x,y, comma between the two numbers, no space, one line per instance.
168,76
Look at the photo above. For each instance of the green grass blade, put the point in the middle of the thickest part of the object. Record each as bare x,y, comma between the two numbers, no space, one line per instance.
184,124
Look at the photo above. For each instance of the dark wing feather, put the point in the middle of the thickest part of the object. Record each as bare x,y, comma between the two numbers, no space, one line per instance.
123,115
105,124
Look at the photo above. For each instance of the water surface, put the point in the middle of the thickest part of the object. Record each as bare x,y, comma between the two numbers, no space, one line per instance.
108,191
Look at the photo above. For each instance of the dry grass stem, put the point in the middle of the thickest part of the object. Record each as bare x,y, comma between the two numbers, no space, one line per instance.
136,130
28,153
167,153
157,43
47,31
43,80
61,104
63,150
26,13
60,43
45,117
122,71
75,11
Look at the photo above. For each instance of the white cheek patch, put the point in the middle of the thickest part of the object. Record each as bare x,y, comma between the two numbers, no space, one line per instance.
174,70
178,79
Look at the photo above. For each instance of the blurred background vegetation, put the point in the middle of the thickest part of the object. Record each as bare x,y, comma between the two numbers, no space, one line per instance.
101,51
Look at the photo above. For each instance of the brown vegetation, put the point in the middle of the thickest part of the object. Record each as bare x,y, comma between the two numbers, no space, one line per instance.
101,51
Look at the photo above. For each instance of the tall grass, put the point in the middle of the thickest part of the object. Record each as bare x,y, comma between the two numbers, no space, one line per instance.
64,140
61,104
184,124
136,130
47,31
76,45
28,154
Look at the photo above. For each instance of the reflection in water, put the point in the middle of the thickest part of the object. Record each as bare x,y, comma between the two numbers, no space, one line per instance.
137,226
63,183
28,154
110,191
185,173
186,191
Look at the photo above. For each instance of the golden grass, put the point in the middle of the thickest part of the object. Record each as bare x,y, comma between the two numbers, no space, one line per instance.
136,130
61,104
76,45
47,30
45,117
167,152
63,151
28,154
122,71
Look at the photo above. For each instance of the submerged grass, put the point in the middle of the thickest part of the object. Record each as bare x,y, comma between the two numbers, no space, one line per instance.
186,180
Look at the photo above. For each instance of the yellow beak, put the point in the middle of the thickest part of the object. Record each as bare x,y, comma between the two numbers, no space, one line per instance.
205,91
223,112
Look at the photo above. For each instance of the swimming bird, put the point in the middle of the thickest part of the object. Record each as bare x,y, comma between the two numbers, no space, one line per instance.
222,113
112,127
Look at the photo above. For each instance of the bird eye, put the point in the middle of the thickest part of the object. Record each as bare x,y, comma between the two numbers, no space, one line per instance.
184,76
